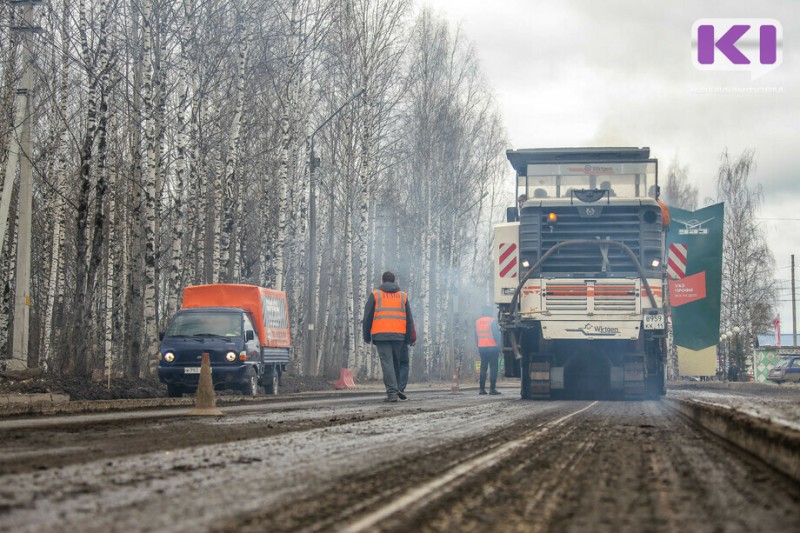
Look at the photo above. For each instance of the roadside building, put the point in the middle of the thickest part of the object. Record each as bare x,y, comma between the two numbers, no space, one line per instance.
767,353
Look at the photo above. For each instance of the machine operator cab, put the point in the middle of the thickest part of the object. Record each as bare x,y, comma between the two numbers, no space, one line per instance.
546,177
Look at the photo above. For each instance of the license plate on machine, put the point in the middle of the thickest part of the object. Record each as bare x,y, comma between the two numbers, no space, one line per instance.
191,370
654,321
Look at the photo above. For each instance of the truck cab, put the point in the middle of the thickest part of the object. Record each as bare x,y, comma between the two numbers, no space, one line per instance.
226,334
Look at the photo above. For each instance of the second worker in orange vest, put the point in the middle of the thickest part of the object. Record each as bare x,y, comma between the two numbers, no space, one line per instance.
487,336
388,324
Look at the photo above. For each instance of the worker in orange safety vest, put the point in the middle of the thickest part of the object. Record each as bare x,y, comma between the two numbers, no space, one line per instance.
388,325
487,337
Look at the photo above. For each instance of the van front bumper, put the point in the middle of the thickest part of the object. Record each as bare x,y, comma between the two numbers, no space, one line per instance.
221,376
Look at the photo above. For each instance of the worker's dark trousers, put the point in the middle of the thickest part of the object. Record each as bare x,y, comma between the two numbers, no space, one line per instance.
389,353
489,357
401,368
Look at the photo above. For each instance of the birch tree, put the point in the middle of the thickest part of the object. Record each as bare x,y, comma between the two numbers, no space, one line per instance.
748,286
150,97
232,159
679,192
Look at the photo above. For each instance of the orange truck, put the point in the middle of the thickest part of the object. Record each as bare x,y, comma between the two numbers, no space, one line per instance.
243,328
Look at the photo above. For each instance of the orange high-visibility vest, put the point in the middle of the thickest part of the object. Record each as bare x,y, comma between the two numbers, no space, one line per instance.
390,312
484,328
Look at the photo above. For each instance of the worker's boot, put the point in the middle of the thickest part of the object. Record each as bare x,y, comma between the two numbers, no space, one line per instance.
483,391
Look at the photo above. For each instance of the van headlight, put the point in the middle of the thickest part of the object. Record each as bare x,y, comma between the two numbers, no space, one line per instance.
169,357
230,357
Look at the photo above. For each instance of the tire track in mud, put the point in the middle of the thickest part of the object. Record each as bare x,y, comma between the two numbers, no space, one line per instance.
353,496
463,473
620,467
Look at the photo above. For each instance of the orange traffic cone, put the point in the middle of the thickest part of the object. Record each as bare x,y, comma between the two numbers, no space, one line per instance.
455,388
346,379
205,403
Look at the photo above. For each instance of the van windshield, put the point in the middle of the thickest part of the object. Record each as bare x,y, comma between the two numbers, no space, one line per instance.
205,324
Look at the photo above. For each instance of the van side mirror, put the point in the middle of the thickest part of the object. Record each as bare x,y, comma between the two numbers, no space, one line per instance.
248,335
161,335
512,214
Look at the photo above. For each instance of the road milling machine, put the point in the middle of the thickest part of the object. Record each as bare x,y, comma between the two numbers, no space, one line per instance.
578,275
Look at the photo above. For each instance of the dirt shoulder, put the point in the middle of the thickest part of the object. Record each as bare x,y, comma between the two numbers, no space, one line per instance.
36,381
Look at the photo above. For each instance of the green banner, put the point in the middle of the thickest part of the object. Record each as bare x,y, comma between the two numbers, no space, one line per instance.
694,271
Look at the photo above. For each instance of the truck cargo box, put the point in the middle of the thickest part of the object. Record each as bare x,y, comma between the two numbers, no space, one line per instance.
268,307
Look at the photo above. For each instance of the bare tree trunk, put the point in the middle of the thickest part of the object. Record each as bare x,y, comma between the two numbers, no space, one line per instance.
351,356
363,202
283,201
203,217
426,246
119,251
150,98
7,297
233,202
219,202
134,244
55,288
180,163
110,261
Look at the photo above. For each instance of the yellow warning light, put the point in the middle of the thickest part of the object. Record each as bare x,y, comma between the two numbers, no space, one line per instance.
552,218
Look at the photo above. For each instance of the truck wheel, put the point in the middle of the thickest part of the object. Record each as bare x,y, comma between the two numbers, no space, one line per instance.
271,381
174,391
251,387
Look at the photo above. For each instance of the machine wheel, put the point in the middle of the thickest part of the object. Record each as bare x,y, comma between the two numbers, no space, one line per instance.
251,387
510,365
534,367
655,387
174,391
271,380
525,377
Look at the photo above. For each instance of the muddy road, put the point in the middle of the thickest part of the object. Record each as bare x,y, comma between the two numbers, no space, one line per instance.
438,462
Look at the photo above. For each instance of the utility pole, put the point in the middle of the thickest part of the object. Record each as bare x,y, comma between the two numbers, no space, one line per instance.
311,305
794,311
20,153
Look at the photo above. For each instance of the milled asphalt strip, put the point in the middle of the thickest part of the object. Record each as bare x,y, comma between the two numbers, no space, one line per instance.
475,466
775,444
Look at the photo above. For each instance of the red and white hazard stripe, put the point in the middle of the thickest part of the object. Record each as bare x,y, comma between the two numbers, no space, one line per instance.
676,261
508,260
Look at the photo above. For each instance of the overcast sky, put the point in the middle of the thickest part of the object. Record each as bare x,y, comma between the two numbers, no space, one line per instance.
620,73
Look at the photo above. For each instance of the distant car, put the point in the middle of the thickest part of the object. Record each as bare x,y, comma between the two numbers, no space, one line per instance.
787,370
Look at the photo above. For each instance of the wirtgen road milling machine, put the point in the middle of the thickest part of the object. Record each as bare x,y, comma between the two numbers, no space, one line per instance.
579,276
